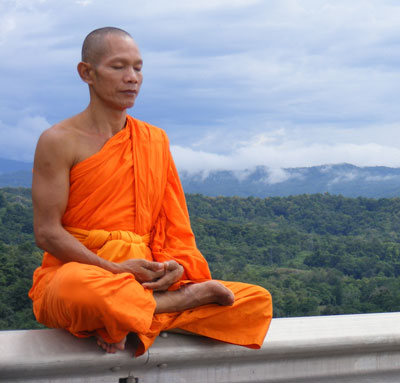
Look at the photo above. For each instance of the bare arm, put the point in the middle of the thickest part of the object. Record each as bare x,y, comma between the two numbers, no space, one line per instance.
50,190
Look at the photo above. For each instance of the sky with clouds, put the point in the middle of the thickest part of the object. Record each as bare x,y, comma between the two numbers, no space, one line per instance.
235,83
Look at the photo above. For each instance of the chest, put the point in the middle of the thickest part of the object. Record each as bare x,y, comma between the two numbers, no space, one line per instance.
87,146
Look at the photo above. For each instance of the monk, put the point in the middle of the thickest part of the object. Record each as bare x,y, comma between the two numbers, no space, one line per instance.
111,216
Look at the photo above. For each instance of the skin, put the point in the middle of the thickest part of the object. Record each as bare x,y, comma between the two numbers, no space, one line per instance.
114,82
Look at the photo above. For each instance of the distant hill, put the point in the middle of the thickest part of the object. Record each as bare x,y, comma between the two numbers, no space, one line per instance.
11,166
22,178
344,179
15,173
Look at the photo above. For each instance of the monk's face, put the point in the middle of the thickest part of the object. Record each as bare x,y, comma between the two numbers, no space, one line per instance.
117,74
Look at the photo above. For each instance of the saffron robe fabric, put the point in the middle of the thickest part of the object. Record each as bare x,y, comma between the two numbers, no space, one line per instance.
126,201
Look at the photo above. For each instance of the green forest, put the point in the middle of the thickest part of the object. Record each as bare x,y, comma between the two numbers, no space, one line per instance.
317,254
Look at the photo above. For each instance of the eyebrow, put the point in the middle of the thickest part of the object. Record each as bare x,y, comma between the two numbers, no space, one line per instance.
122,59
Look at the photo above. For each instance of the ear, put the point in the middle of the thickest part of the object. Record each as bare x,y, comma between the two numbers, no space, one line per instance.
85,72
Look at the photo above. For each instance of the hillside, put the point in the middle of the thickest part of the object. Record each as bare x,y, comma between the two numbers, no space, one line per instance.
18,259
317,254
342,179
15,173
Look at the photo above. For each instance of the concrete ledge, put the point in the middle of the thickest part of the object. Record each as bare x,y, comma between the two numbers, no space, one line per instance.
347,348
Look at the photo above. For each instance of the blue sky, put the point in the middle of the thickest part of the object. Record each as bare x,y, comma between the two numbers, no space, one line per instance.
235,83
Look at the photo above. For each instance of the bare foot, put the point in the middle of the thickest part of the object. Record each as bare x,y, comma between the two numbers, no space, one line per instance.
210,292
111,347
193,295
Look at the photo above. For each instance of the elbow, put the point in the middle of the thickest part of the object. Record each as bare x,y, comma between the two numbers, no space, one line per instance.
40,238
43,236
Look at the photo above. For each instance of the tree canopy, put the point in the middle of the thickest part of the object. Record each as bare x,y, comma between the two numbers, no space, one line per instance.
317,254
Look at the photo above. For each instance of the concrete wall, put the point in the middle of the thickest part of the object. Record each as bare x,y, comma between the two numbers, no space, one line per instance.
346,348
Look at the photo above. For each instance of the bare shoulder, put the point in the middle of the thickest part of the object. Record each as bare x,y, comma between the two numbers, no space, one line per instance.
58,142
58,135
54,158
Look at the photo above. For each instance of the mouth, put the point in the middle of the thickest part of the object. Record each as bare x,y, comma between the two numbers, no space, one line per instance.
129,92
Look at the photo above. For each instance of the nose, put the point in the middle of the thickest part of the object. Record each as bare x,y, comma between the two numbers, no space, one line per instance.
132,75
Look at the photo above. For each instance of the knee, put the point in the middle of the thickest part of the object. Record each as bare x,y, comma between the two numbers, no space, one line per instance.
70,275
265,293
73,281
263,297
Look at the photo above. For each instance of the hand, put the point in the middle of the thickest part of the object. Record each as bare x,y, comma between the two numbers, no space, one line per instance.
173,272
143,270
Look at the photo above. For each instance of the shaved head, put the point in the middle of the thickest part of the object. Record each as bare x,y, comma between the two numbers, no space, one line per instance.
94,45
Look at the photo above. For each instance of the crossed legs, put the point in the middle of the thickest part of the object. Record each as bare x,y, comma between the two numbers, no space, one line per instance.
187,297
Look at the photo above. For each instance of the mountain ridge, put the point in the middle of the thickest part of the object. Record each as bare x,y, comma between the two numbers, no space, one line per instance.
342,179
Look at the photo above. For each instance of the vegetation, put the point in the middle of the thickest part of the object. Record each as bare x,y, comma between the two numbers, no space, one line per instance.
317,254
18,259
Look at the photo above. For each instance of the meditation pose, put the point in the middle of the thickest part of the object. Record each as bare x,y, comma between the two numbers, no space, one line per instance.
111,216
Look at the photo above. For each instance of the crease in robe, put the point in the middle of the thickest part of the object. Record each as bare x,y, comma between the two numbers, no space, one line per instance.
125,202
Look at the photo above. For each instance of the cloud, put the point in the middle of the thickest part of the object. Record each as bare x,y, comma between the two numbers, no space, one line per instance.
344,177
365,175
84,3
287,154
18,141
277,175
237,83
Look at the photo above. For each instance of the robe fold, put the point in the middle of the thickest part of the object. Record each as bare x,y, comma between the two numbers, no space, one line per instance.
126,201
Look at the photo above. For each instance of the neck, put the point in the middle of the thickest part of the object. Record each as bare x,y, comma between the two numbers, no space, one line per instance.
104,121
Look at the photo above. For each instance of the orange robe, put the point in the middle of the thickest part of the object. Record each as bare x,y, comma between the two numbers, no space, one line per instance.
126,201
